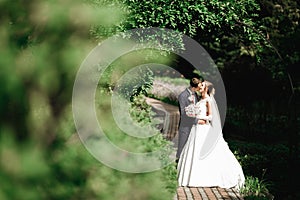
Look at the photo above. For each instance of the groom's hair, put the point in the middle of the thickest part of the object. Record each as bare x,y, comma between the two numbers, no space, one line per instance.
194,82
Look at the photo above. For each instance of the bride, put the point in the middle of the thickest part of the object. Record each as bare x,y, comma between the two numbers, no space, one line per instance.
206,159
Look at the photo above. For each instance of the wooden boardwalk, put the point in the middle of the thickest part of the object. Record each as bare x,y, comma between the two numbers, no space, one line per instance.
168,115
206,193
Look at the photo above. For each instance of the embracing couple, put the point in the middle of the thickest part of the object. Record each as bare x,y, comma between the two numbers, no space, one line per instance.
203,156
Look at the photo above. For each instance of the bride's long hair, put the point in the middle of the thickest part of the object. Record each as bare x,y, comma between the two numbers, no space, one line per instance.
210,88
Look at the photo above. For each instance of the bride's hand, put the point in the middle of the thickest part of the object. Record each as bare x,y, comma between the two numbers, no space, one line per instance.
201,121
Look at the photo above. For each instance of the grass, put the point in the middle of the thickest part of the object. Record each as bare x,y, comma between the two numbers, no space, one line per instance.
256,189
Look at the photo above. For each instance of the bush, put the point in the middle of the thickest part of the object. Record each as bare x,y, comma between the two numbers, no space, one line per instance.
255,189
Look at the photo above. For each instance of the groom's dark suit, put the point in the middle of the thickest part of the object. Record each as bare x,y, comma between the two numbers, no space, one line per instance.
185,123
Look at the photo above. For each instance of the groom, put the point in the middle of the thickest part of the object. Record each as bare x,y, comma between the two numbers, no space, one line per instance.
185,98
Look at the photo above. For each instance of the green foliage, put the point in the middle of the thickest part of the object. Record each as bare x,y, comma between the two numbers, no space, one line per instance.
139,82
280,21
170,177
261,121
187,16
271,160
255,189
42,46
169,173
141,113
132,72
252,161
211,21
140,110
41,155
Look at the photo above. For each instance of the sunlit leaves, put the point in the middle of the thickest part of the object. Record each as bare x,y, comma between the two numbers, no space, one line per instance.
200,18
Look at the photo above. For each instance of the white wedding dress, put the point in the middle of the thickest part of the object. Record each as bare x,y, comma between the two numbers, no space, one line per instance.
218,168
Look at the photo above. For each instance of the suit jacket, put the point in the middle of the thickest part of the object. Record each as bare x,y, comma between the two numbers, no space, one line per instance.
185,122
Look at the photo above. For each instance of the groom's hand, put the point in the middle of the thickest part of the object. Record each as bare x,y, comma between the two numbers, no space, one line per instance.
201,121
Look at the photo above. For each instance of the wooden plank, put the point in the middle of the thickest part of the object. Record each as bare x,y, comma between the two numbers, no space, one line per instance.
216,192
223,193
210,194
233,194
188,193
181,194
196,194
203,194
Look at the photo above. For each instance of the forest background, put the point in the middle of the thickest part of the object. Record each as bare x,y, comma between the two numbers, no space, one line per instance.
255,45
